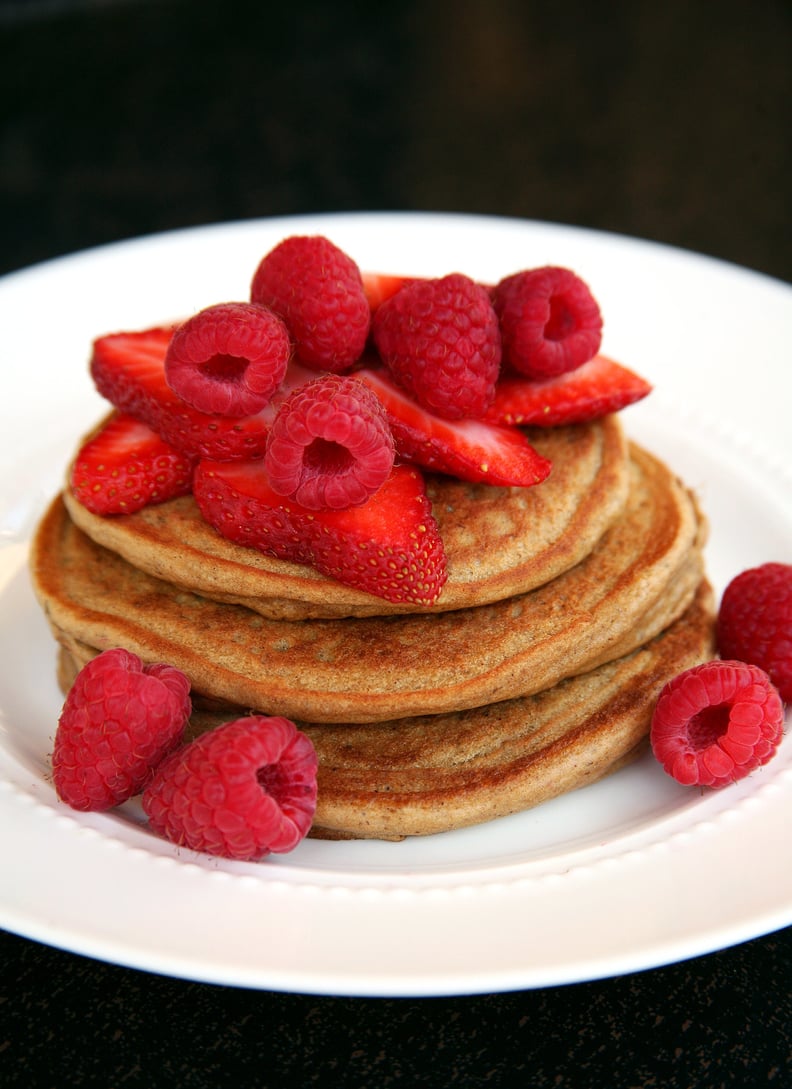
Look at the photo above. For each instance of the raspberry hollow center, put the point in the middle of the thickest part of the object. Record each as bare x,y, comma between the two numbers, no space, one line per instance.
273,781
561,321
708,726
326,456
224,368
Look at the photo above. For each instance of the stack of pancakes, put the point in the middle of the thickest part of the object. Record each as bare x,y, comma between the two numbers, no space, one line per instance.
568,605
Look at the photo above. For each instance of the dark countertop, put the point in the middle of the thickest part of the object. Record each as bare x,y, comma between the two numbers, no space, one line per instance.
665,121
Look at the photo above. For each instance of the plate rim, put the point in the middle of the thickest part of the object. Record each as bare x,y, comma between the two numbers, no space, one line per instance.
456,980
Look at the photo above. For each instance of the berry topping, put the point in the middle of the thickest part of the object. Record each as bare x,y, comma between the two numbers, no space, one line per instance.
330,445
755,622
323,475
390,546
550,322
318,291
126,466
716,722
119,721
441,341
592,390
242,791
228,359
129,370
468,449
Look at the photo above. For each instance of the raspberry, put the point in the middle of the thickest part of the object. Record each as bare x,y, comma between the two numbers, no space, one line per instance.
441,341
330,446
755,622
228,359
128,369
119,721
549,320
318,291
241,791
716,722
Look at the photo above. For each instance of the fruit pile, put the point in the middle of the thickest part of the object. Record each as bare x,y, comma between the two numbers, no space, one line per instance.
245,790
303,419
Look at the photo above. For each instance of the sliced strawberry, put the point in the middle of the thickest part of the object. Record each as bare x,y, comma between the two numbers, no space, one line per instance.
593,390
379,286
469,449
126,466
390,546
129,370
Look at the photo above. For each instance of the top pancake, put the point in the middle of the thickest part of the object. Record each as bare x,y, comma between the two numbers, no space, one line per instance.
499,542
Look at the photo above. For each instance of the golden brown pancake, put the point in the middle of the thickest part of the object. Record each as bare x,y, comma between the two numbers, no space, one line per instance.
431,774
639,578
499,541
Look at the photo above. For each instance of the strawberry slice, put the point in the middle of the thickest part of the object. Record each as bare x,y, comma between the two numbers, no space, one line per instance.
379,286
596,388
472,450
390,546
128,369
126,466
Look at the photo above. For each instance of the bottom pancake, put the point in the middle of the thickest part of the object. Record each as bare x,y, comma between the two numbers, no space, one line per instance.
420,776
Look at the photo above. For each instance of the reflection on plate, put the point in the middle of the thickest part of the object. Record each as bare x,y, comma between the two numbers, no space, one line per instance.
630,873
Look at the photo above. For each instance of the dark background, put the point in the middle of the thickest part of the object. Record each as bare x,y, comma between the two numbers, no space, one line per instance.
668,121
664,120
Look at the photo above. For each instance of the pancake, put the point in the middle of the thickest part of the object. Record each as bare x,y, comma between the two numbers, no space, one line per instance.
639,578
431,774
499,541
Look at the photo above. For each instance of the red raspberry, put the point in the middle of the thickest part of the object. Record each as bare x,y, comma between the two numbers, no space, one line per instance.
228,359
441,341
318,291
128,369
716,722
755,622
549,320
119,721
241,791
330,446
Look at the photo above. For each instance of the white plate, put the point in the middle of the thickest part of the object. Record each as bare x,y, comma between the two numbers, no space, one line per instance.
628,874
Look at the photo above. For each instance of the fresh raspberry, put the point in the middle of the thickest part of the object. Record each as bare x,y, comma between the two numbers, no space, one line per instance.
228,359
716,722
318,291
549,320
330,446
119,721
241,791
755,622
440,339
128,369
